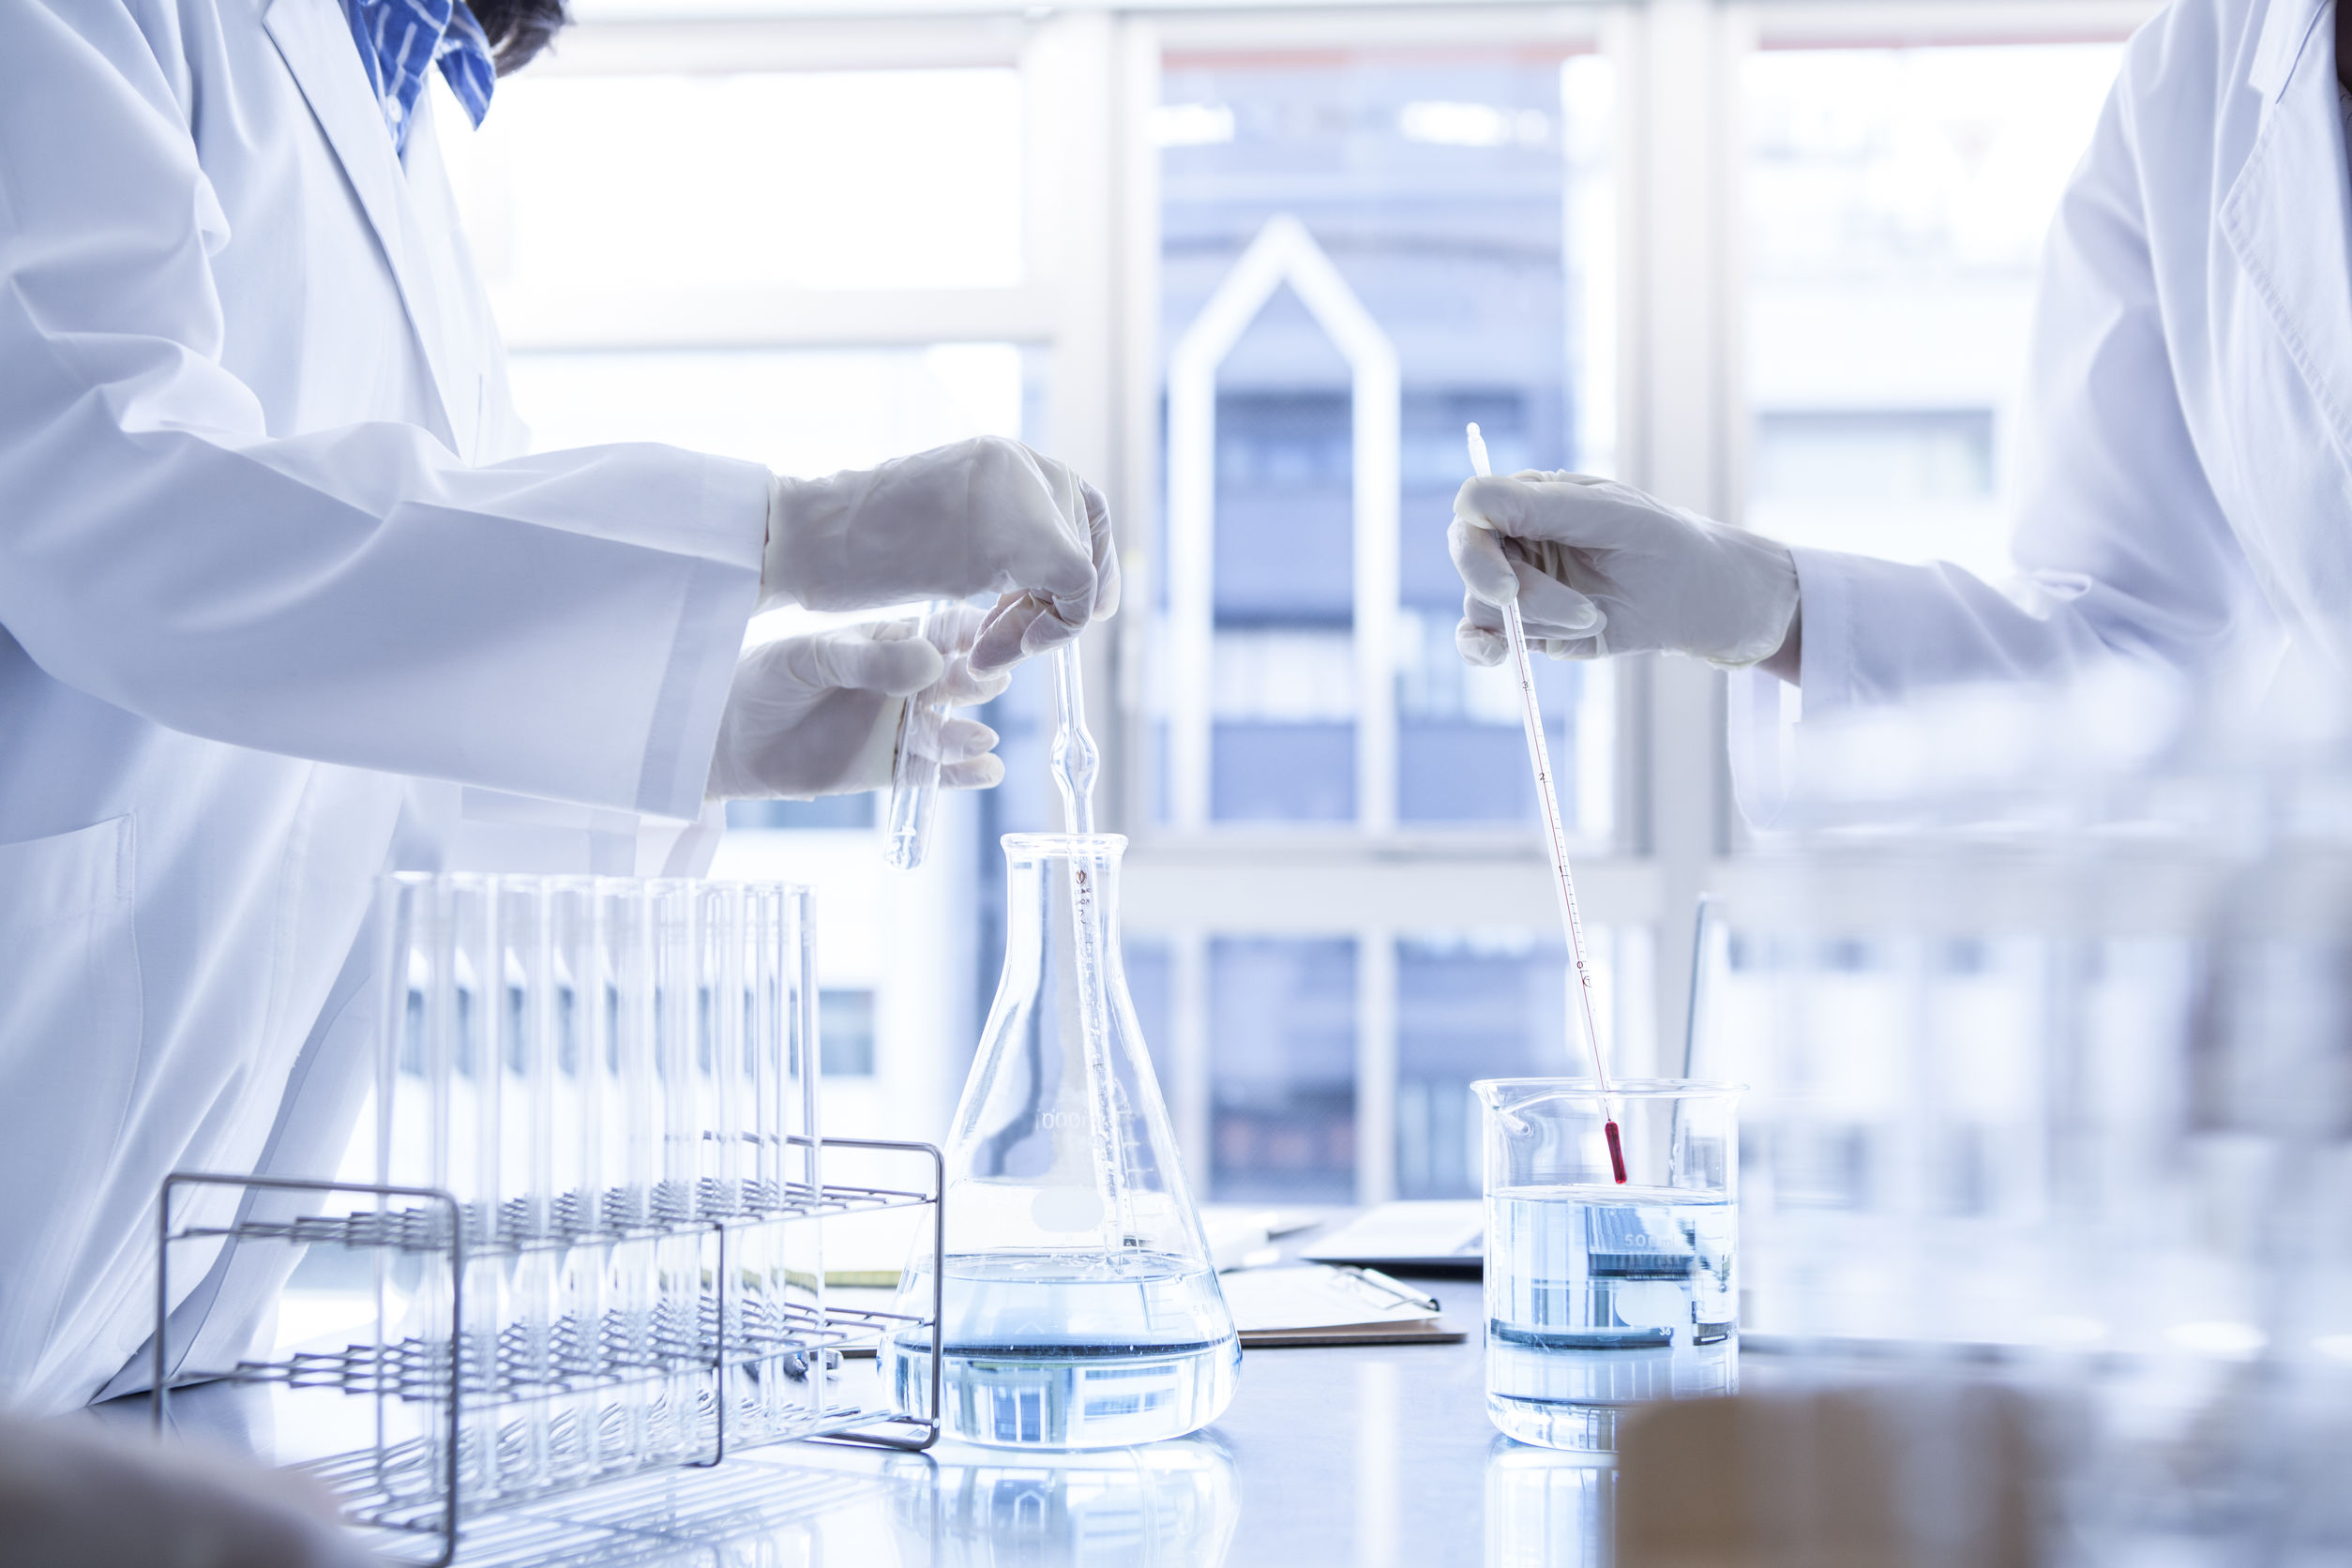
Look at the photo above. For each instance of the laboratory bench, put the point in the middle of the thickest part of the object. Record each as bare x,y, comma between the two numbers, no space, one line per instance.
1366,1457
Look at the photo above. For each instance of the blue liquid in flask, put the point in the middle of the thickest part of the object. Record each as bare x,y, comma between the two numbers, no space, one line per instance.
1074,1350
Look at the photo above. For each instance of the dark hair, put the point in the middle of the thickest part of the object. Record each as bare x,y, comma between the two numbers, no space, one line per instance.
518,29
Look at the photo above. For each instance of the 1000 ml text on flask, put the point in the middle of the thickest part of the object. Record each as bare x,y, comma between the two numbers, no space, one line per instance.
1081,1307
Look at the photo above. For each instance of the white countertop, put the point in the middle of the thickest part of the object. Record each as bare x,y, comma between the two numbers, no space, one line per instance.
1377,1456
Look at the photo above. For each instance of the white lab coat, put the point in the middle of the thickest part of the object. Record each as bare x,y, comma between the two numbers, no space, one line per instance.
2188,498
279,606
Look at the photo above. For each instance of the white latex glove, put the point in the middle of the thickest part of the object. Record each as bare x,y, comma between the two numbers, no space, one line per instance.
75,1493
818,714
1600,568
986,516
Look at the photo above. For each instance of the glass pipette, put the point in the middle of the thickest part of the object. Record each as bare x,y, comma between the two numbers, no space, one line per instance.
1075,761
1555,835
1074,757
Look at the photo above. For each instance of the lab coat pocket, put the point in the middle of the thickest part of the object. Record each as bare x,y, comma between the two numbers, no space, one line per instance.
70,1022
64,918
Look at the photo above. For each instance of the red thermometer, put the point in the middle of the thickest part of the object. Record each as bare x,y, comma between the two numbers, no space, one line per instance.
1555,838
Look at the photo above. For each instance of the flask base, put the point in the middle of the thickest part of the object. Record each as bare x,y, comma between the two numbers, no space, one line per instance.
1067,1395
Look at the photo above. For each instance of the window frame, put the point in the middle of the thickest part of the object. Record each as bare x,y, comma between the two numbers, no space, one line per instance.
1088,297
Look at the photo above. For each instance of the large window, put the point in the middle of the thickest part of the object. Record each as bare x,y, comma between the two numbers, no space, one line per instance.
1363,244
1361,251
1253,268
1896,202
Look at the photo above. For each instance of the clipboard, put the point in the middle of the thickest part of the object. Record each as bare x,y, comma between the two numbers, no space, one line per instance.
1317,1303
1443,1238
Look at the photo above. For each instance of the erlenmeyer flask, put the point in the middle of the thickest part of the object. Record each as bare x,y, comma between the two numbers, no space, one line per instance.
1081,1307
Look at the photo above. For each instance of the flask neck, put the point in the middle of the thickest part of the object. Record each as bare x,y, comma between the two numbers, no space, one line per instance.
1061,1146
1063,904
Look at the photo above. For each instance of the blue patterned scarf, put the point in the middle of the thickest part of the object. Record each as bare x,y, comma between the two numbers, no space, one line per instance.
401,39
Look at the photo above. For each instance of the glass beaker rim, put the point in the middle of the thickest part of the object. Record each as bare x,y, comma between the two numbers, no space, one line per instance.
1493,1091
1063,844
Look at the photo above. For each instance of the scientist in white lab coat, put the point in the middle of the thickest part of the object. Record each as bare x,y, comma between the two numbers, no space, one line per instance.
283,607
2188,499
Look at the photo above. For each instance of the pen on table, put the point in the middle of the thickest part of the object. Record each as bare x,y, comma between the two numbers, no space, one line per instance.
1395,1288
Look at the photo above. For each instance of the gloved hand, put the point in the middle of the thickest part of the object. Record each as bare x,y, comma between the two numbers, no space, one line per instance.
986,516
74,1492
818,714
1600,568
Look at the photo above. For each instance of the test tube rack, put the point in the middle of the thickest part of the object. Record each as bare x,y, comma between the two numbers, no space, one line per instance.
596,1239
446,1417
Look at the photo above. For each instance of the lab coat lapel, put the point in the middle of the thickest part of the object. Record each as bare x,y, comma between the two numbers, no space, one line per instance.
2288,216
314,38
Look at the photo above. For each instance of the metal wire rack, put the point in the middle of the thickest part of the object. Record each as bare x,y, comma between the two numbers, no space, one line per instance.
426,1226
417,1368
731,1371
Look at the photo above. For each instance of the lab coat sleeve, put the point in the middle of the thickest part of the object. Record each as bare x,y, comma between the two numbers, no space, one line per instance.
563,625
2121,547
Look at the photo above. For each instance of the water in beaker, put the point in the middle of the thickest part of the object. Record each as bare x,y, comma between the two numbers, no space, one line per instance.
1081,1309
1601,1296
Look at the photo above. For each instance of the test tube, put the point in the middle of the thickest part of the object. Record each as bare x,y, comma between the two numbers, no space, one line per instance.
438,1127
630,1136
803,1105
525,965
716,1078
467,1162
677,1004
631,1140
411,1073
750,1294
580,1022
795,1392
411,1126
678,1035
801,1064
469,1159
719,1054
526,1182
950,627
764,1027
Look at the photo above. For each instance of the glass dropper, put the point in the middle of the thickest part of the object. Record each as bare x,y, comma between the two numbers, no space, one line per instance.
1555,837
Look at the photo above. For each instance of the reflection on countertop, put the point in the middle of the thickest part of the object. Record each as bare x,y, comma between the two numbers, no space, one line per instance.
1372,1457
1168,1504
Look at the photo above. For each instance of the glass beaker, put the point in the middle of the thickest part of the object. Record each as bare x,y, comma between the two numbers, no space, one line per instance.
1081,1307
1600,1296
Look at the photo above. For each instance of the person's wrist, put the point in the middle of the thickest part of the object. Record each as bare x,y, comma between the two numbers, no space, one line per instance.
771,589
1764,594
807,524
1788,661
